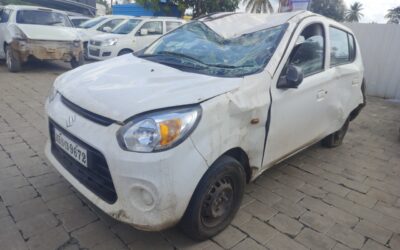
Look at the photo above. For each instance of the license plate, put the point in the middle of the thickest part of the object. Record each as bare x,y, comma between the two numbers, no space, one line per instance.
70,147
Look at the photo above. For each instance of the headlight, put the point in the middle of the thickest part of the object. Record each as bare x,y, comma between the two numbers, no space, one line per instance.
157,131
110,42
76,43
52,94
17,33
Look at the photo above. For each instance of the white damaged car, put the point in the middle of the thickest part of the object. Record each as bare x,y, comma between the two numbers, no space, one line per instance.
172,135
41,33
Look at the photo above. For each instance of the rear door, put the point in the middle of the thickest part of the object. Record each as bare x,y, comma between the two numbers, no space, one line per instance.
298,116
347,74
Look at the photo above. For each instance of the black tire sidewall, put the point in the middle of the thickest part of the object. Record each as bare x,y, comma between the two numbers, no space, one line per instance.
191,222
15,63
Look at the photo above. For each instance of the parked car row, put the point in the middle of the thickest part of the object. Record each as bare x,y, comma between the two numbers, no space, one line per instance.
48,34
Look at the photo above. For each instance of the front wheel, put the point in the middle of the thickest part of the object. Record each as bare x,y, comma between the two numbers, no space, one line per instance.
216,199
13,62
76,62
335,139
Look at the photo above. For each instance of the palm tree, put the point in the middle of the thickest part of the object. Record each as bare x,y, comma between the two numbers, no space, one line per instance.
354,13
258,6
394,15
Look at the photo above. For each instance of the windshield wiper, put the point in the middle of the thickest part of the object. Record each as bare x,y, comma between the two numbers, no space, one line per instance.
174,54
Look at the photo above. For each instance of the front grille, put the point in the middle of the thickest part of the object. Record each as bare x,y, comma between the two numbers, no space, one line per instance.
94,52
87,114
96,177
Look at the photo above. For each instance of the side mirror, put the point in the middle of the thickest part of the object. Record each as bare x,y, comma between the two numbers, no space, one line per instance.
107,29
144,32
293,78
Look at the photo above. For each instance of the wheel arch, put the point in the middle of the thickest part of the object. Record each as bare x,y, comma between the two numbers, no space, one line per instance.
125,49
241,156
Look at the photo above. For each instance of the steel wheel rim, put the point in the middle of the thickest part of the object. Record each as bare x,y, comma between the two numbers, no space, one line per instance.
217,204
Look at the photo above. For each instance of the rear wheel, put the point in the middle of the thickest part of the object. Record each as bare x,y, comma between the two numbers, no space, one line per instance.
124,52
335,139
13,62
216,199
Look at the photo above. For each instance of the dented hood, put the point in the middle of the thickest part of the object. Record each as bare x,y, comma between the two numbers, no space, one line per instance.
49,33
125,86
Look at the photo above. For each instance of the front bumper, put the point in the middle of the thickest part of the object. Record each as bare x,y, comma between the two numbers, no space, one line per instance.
101,53
153,189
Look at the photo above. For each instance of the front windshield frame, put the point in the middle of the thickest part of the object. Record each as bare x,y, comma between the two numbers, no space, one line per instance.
196,65
117,29
65,19
92,22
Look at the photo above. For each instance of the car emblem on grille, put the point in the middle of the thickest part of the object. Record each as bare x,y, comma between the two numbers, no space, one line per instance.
70,121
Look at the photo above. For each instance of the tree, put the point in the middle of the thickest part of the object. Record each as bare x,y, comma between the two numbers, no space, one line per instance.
393,15
258,6
200,7
332,9
354,13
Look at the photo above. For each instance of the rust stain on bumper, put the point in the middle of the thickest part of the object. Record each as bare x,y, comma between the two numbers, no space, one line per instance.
46,50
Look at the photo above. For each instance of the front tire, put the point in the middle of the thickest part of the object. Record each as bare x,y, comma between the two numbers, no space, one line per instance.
76,62
335,139
216,199
13,62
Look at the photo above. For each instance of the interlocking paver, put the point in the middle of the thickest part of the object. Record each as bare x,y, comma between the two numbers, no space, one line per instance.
372,245
356,185
285,224
37,224
346,236
314,240
373,231
283,242
49,240
259,231
229,237
316,221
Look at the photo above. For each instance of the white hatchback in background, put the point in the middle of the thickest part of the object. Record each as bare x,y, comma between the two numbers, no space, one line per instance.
173,134
130,36
98,25
42,33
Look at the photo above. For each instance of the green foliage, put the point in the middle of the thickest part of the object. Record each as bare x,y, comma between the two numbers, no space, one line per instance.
354,13
200,7
334,9
394,15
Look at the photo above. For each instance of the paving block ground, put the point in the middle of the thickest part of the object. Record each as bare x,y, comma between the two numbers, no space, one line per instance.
342,198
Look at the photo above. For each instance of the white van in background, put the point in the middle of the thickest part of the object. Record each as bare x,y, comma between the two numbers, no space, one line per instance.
131,35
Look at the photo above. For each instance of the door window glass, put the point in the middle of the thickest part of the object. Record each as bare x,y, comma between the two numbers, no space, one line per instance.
153,28
352,47
308,53
4,15
172,25
111,24
340,51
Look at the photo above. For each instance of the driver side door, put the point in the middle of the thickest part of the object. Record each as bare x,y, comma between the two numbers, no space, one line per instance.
298,116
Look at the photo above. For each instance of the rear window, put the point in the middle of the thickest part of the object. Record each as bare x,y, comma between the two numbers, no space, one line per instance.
342,47
43,17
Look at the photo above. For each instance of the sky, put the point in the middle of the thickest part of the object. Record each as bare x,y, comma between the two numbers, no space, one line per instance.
374,10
